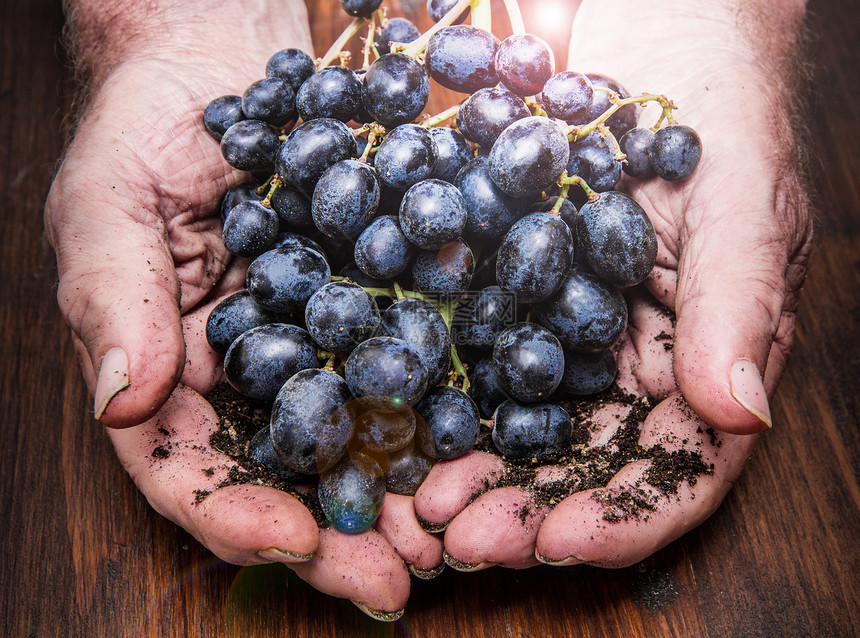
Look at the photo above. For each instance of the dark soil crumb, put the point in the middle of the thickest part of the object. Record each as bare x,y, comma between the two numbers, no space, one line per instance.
622,505
200,495
160,452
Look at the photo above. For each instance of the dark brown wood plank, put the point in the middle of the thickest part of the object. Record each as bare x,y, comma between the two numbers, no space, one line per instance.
84,555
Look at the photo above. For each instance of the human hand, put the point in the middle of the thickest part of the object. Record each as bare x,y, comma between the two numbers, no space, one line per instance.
133,218
733,244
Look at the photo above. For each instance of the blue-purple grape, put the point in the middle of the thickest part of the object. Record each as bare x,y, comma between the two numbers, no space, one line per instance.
406,156
310,149
222,113
283,279
446,270
487,112
453,420
395,30
250,229
250,145
529,361
271,100
432,214
462,58
345,199
616,239
540,431
334,92
386,367
293,65
418,323
567,96
586,314
306,433
261,360
340,315
395,89
529,156
675,152
524,63
382,250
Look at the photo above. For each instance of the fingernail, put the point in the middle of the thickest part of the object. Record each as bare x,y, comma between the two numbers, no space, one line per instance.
460,566
748,390
283,556
113,377
570,560
426,574
433,528
376,614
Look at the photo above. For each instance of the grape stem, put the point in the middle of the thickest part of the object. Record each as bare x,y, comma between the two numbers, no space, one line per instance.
371,140
482,15
337,46
565,182
515,16
369,43
578,132
274,182
459,368
444,116
416,47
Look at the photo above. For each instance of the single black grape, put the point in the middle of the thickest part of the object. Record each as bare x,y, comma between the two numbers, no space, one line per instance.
489,211
616,239
382,250
237,194
386,367
675,152
395,30
587,373
292,206
432,214
283,279
529,156
446,270
351,498
453,420
250,145
395,89
305,433
310,149
593,159
271,100
297,240
360,8
334,92
529,361
233,316
586,314
524,63
261,360
541,431
462,58
406,156
293,65
452,152
635,145
340,315
418,323
345,199
222,113
407,470
250,229
438,8
484,387
486,113
261,452
534,257
567,96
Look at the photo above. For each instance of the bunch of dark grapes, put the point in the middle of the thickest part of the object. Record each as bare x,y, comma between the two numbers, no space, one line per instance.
380,244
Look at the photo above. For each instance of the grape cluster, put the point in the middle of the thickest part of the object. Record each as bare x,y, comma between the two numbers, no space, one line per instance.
501,242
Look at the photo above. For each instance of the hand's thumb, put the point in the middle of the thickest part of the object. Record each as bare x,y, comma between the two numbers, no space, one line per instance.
119,294
730,302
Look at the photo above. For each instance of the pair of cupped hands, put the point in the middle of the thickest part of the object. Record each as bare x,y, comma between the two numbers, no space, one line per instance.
133,218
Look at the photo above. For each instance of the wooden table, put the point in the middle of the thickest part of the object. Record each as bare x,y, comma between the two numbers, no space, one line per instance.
84,555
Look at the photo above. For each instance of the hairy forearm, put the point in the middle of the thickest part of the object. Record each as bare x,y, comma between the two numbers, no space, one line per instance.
104,35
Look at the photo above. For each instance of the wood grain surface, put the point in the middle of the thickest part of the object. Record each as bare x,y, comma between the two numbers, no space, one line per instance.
84,555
